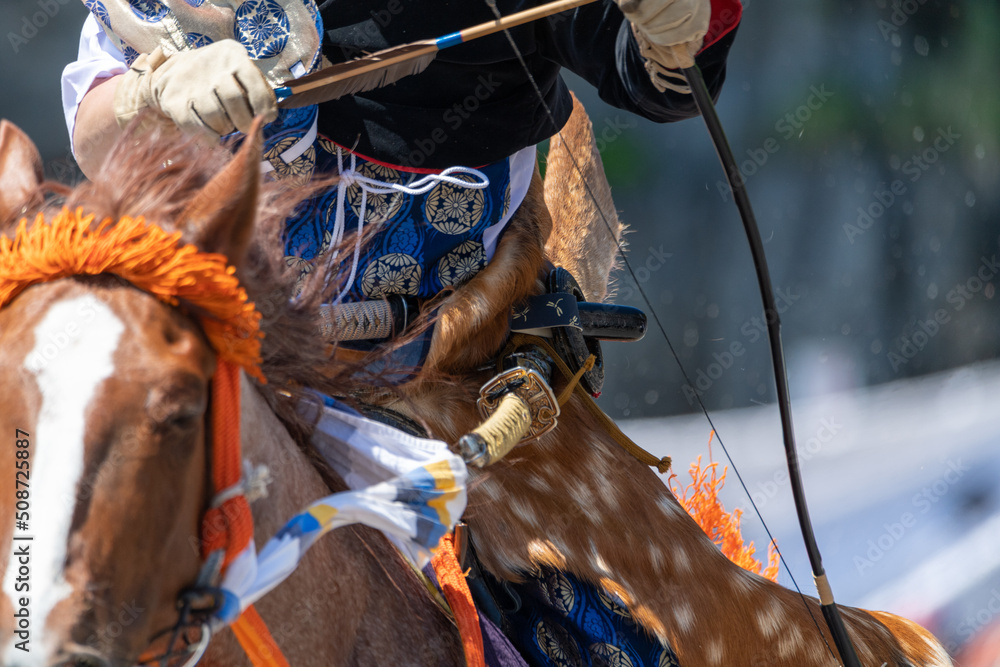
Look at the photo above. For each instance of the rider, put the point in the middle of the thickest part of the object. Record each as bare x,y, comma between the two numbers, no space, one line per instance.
475,107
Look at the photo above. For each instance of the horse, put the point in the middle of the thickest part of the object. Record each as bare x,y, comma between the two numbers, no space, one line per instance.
106,388
574,501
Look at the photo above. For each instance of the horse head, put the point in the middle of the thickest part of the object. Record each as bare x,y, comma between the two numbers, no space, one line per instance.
104,422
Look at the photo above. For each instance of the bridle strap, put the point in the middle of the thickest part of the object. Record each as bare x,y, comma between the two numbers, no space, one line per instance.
228,525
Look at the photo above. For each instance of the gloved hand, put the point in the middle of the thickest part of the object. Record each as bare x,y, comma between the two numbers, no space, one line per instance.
215,89
669,33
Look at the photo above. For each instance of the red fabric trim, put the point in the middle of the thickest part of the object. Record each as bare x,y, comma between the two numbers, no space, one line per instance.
411,170
726,15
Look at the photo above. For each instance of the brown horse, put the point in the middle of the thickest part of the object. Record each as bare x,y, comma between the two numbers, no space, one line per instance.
106,387
573,500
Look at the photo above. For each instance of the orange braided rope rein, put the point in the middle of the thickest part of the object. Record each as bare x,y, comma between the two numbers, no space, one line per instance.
252,634
229,525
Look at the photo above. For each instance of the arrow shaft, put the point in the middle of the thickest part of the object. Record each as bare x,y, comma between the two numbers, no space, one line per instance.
400,54
514,20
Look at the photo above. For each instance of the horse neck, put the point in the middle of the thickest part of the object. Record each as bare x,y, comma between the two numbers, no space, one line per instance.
576,501
351,585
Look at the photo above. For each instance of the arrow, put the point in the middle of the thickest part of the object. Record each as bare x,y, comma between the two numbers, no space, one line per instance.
390,65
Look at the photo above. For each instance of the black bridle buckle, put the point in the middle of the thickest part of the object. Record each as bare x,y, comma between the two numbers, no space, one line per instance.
195,609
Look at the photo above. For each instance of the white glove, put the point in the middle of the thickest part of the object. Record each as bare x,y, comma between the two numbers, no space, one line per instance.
215,89
669,33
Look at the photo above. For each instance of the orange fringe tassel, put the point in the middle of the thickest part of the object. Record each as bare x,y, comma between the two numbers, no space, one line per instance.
701,500
147,257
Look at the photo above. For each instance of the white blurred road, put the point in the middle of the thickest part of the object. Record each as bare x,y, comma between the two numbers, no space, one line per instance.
901,481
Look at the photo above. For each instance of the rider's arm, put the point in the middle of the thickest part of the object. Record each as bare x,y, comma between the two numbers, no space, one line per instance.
596,42
88,89
96,127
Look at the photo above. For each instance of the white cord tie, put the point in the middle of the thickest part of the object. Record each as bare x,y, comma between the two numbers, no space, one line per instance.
368,185
252,484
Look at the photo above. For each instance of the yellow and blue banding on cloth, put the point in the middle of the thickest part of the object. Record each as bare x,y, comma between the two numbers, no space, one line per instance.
412,489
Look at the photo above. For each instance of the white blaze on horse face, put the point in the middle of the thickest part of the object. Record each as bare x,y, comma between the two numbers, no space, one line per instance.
86,333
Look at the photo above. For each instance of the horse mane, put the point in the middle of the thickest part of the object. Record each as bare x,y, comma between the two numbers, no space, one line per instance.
587,236
155,176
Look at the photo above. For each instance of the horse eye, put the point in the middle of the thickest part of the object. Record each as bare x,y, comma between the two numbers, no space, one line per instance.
179,404
183,418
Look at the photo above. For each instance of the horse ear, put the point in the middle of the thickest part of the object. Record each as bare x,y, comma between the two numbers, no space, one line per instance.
20,172
220,217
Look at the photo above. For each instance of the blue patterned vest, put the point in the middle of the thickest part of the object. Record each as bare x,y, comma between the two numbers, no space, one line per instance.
423,240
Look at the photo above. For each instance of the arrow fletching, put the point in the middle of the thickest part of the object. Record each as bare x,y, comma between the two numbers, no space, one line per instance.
357,76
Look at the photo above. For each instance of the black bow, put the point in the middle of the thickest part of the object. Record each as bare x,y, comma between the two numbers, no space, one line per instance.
707,109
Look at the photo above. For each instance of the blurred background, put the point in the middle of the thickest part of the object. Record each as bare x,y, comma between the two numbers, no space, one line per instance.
867,134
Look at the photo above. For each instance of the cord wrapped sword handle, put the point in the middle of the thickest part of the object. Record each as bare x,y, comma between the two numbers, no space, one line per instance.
378,319
517,406
501,432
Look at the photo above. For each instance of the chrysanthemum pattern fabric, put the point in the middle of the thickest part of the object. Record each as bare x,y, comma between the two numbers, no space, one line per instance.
283,36
419,245
565,622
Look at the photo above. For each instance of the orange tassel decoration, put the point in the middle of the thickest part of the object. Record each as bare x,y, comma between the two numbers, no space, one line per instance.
701,500
146,256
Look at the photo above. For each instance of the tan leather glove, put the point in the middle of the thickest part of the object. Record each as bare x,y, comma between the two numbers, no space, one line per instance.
215,89
669,33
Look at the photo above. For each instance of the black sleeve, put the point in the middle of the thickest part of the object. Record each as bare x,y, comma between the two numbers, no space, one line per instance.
596,42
